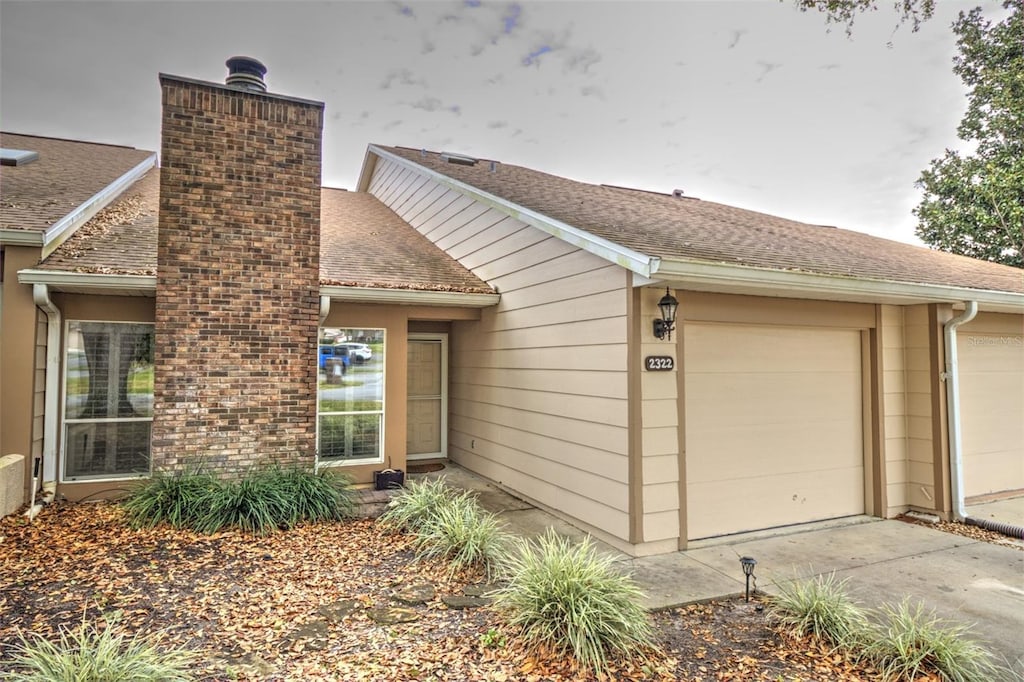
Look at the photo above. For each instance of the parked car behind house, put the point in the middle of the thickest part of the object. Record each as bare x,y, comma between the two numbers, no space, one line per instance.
358,352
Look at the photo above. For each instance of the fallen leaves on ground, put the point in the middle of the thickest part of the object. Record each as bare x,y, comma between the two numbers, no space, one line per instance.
254,607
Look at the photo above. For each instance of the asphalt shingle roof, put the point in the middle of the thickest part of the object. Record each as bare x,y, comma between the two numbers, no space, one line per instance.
363,243
681,228
67,174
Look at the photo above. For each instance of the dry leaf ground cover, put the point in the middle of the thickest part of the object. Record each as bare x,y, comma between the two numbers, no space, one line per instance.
253,608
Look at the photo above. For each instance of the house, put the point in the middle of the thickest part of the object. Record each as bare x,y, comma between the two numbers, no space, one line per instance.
513,319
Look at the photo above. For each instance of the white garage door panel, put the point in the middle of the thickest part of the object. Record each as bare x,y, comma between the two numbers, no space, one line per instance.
774,430
992,411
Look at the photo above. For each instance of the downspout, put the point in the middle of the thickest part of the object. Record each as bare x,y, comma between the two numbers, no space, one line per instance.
956,469
51,395
325,309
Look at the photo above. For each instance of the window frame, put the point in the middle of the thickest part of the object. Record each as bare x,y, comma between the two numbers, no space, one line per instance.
63,476
322,462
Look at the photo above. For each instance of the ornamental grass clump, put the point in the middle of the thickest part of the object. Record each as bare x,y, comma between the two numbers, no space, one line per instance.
566,598
464,534
179,499
89,654
820,608
417,504
264,499
912,641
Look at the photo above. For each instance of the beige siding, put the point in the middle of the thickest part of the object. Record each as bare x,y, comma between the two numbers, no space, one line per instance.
538,395
919,378
894,410
660,429
991,362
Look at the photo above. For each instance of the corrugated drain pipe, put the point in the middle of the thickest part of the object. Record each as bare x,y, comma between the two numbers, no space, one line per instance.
956,471
51,396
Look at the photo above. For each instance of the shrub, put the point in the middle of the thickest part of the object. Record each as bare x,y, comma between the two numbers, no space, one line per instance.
464,534
307,495
178,499
87,654
568,598
912,641
820,608
264,499
417,504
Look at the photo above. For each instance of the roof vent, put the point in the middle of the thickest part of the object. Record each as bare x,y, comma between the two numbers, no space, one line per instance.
678,193
17,157
246,73
458,159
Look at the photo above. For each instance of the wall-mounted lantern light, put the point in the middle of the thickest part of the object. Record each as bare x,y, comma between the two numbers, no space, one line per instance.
668,306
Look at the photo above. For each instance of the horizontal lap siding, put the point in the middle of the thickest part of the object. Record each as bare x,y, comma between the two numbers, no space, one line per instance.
894,410
919,429
538,384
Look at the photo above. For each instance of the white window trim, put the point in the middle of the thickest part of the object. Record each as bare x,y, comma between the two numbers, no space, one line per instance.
322,463
64,421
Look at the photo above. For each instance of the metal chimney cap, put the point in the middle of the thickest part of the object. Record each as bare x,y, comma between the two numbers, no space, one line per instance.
246,72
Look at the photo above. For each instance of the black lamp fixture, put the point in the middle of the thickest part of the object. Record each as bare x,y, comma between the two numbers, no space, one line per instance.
668,306
748,564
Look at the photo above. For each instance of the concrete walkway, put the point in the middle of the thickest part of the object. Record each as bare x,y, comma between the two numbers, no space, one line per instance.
885,561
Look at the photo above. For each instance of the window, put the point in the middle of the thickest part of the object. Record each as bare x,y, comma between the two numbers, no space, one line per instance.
351,396
108,404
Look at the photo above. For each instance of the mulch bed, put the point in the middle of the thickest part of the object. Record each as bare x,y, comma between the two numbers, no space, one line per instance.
253,608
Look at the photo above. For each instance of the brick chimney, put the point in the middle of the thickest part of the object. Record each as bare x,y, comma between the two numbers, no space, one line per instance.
237,295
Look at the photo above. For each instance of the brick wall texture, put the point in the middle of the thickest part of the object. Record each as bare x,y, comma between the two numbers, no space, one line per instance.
237,278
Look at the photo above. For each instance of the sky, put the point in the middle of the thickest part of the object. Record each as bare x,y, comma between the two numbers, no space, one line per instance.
744,102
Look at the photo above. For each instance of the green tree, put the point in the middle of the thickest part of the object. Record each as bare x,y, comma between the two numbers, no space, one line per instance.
845,11
974,203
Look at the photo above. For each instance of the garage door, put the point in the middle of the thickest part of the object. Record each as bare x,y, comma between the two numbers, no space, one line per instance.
991,409
773,427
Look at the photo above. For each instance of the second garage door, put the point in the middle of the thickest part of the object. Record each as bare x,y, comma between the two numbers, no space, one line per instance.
991,409
774,427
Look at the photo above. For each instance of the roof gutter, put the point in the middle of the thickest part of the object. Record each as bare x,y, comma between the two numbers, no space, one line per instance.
21,238
408,297
87,280
831,287
635,261
57,233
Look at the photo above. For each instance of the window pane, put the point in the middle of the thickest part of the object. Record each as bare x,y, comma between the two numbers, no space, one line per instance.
351,365
109,370
106,449
350,436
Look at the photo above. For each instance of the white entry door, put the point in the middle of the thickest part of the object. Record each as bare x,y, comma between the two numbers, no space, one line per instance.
427,412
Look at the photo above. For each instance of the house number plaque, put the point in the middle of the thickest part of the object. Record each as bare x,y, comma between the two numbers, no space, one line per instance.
659,363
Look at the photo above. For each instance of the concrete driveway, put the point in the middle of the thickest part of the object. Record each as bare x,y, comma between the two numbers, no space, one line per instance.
962,579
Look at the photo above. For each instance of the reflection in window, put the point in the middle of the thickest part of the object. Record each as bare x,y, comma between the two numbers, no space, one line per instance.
108,405
351,395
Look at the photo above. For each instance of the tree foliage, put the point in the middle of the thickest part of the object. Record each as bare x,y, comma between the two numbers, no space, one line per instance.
974,203
845,11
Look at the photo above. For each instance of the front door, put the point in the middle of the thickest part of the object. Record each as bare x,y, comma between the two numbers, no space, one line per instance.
427,414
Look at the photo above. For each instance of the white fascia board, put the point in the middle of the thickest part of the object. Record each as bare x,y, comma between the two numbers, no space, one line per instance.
835,287
87,280
57,233
21,238
409,297
635,261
